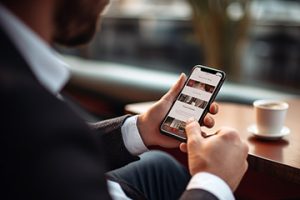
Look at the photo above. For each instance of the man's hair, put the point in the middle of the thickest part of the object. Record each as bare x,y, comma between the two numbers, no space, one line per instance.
12,2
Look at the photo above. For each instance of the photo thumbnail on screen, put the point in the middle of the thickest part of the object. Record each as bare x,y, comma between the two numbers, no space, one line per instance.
192,101
175,126
201,86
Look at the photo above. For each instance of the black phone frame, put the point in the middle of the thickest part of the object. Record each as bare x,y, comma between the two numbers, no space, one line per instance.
216,91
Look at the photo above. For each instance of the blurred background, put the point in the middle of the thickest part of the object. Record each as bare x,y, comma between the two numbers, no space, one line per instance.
144,45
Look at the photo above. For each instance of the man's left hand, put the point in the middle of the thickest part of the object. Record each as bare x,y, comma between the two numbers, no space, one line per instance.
149,122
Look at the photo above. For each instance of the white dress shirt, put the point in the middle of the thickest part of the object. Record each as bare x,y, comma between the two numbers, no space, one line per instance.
52,73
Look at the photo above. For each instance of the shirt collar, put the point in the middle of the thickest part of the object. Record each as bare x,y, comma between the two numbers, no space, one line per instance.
44,61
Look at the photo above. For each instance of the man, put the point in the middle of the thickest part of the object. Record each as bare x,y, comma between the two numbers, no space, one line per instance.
48,152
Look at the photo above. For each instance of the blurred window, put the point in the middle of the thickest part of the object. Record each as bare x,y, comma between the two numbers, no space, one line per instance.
160,34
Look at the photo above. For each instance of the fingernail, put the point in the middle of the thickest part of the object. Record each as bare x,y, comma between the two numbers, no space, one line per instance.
189,120
182,75
216,108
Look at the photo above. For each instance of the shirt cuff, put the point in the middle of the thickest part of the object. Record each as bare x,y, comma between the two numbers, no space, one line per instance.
212,184
131,136
115,191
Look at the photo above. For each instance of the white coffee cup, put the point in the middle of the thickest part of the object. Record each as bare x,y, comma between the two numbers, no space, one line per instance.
270,115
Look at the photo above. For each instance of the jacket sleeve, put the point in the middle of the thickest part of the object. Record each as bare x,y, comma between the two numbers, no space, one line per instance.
109,132
197,194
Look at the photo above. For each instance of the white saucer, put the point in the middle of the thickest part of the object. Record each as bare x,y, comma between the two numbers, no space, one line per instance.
253,129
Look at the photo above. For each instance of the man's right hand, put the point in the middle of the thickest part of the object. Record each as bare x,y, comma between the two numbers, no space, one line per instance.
223,154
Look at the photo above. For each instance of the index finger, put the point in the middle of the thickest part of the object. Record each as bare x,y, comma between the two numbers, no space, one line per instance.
193,132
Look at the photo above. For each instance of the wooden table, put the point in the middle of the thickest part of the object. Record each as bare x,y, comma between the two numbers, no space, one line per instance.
274,166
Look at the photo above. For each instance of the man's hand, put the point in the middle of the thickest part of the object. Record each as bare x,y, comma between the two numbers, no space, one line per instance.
149,122
223,154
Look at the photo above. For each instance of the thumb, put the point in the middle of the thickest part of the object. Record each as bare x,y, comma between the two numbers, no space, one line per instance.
193,132
175,89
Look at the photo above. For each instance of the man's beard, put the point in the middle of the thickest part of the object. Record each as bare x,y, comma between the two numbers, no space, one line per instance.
75,22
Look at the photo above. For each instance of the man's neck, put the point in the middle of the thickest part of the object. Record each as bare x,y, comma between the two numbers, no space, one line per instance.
38,16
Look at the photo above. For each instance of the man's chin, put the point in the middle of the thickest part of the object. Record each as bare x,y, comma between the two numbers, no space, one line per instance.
78,40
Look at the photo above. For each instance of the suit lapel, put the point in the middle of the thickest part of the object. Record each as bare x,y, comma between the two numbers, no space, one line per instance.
11,59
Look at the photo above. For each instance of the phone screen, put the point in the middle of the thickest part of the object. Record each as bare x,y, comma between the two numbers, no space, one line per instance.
193,101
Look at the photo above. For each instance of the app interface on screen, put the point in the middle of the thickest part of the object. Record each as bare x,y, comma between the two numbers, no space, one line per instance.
192,101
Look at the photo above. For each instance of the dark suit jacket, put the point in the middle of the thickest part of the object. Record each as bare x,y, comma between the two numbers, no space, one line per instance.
47,151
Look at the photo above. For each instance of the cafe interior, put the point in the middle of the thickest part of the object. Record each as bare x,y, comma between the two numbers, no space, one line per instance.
142,46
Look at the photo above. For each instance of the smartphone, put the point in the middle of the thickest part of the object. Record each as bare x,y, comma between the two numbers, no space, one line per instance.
194,100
